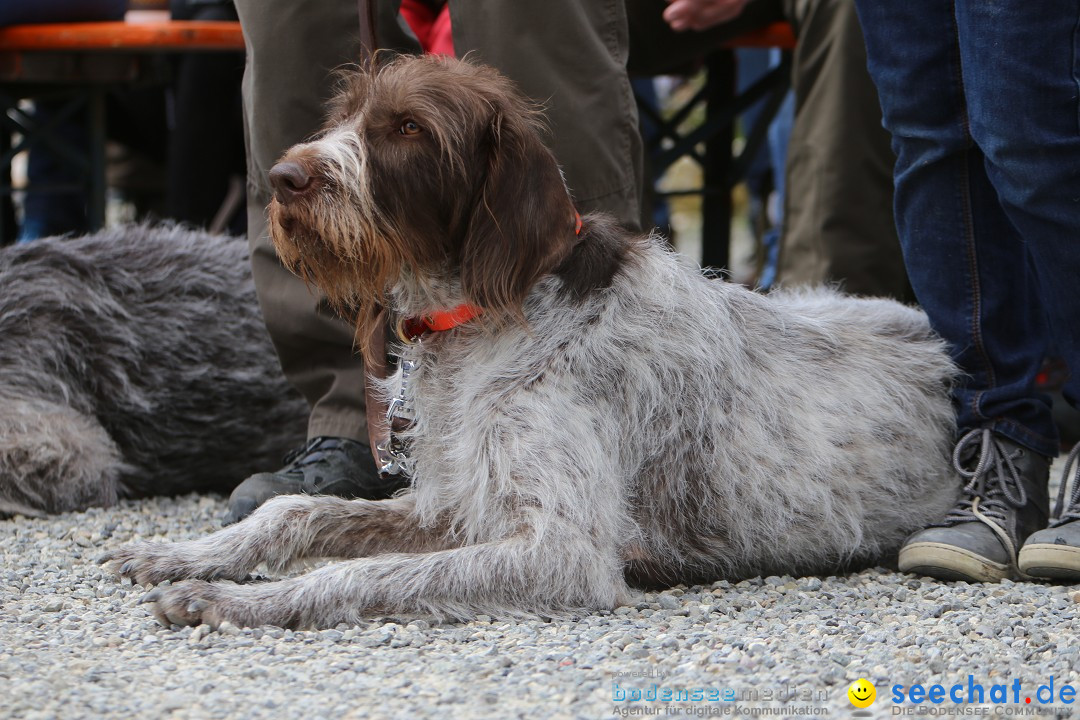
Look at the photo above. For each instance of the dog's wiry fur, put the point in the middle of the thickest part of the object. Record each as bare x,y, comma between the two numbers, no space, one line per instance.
614,416
134,362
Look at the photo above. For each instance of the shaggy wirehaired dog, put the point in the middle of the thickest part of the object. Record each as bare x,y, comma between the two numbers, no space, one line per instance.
134,362
589,411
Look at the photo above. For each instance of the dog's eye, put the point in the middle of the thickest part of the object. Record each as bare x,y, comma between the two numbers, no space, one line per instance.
409,127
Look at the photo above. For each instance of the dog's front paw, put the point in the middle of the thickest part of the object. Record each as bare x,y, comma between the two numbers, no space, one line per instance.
192,602
196,602
145,563
154,563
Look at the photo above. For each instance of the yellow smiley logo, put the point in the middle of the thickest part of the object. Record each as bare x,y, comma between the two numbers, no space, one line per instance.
861,693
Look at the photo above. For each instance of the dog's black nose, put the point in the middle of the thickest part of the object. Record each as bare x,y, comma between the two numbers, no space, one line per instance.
290,180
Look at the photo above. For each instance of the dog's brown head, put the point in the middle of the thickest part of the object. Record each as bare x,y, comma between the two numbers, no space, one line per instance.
430,178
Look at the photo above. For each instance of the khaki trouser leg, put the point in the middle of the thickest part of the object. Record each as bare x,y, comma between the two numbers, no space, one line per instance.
570,56
838,220
292,47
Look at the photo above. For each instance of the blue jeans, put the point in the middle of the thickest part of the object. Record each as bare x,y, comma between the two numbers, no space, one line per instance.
981,98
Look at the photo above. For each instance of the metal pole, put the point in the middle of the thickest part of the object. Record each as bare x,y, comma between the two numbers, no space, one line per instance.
96,112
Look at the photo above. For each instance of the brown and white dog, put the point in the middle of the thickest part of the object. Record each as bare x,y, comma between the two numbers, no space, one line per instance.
590,411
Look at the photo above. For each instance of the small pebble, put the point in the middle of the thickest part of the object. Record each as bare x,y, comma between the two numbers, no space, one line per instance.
668,602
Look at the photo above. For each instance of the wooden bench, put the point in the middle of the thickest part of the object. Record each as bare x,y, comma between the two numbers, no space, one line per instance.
78,63
81,62
778,35
122,36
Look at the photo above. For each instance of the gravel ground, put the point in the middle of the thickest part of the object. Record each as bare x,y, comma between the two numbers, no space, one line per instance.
74,644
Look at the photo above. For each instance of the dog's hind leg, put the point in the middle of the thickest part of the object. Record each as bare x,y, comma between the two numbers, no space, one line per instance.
54,459
285,529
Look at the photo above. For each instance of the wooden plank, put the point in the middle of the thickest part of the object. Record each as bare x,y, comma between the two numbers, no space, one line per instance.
778,35
181,35
222,35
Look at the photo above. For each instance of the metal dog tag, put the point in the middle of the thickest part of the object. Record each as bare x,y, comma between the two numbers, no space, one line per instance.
400,407
393,453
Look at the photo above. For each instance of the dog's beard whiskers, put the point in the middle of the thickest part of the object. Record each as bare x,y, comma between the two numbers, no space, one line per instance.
315,250
348,255
352,257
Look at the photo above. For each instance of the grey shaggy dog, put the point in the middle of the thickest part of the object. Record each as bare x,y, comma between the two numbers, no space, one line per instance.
134,362
611,418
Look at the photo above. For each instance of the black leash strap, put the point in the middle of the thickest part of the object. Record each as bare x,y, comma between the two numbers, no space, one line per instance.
367,30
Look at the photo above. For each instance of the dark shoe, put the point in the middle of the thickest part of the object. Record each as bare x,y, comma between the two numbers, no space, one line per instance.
1003,501
325,466
1054,553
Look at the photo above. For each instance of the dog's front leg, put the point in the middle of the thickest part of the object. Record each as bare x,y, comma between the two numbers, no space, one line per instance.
285,529
502,578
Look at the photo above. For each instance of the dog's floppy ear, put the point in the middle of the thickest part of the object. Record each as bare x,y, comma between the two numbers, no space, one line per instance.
522,222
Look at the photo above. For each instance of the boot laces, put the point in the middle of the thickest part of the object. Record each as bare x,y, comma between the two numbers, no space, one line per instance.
310,453
993,486
1067,507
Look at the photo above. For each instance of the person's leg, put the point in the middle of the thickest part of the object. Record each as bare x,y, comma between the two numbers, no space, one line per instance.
967,262
1021,76
206,132
969,270
292,51
53,211
838,224
570,56
7,208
